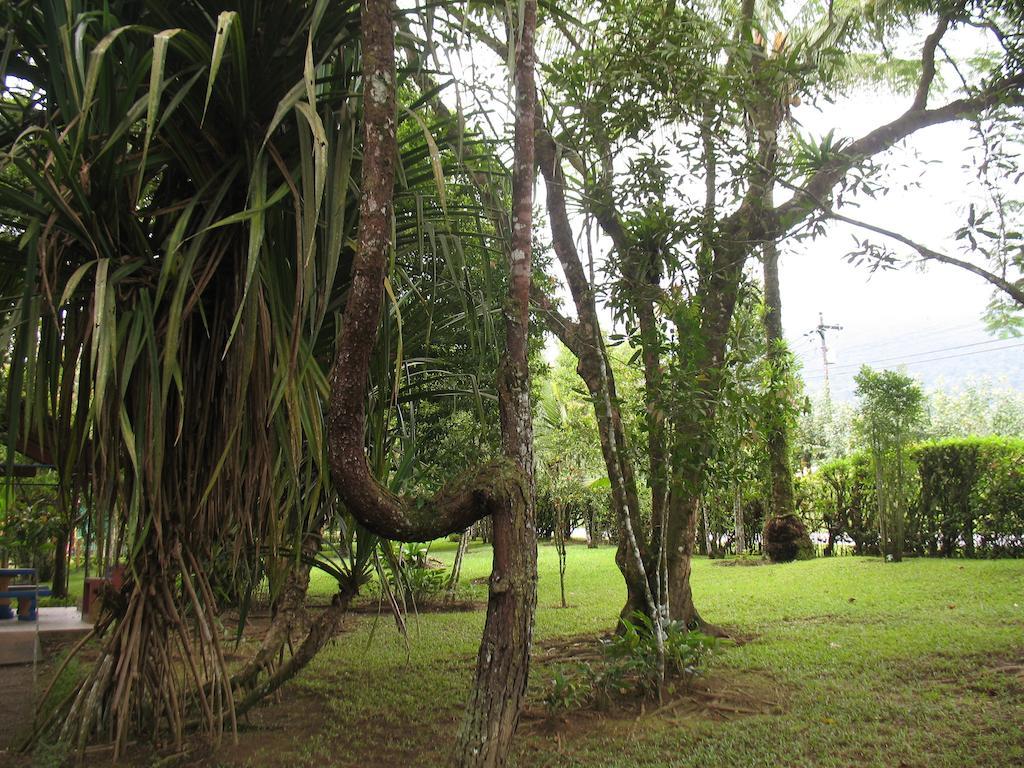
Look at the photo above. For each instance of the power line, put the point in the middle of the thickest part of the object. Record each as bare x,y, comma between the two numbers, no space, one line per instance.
918,354
917,335
944,357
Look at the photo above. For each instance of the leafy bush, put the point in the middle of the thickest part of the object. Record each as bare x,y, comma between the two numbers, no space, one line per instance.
414,578
631,665
633,655
967,497
972,496
27,535
570,689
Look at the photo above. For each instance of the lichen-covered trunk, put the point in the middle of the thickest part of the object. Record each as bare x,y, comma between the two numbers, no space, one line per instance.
503,661
680,538
585,341
645,290
778,433
693,431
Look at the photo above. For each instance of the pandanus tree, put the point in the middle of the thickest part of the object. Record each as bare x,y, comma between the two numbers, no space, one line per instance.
167,165
178,209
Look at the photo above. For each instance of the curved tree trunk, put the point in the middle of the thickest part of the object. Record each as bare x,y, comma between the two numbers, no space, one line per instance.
503,489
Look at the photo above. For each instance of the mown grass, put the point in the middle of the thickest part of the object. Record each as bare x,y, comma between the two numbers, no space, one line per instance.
878,665
875,664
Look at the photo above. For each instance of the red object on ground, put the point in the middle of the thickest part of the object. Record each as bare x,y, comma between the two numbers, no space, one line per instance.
91,595
115,575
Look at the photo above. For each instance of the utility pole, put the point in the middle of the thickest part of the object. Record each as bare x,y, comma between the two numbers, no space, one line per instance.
821,330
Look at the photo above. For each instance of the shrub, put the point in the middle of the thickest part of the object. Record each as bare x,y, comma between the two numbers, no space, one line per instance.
966,496
633,655
415,578
570,689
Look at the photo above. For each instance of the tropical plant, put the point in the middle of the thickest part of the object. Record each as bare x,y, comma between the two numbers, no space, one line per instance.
634,656
178,210
889,419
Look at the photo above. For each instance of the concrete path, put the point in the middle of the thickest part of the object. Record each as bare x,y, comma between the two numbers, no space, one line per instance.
24,642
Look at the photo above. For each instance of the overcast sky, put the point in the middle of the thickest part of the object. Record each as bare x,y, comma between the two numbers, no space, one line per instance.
928,320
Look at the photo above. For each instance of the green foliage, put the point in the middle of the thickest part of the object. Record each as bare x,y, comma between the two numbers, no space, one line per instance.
630,665
569,689
839,497
966,496
972,496
633,655
890,416
411,576
977,408
30,524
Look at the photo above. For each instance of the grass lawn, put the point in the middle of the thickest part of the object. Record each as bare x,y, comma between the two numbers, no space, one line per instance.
911,664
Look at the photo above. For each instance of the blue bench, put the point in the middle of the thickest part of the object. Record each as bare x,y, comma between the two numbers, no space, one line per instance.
25,594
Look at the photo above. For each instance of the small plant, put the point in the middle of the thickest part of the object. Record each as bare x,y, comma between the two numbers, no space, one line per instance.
422,582
569,690
414,577
634,657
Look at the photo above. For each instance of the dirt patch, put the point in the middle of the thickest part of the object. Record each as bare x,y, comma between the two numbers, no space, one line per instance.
742,561
716,694
20,685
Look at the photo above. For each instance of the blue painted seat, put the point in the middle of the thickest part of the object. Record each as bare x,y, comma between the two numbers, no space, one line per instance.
24,593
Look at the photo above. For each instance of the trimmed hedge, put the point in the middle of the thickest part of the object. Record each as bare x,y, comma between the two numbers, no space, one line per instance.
967,498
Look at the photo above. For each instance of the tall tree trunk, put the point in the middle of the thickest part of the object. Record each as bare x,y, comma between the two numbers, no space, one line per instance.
737,516
560,548
502,489
590,521
681,536
778,432
584,340
60,566
460,552
646,288
503,661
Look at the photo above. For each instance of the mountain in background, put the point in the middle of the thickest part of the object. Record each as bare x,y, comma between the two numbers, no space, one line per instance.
939,357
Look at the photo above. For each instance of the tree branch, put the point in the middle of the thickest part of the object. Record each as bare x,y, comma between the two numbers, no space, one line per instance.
1006,90
463,503
928,63
931,255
